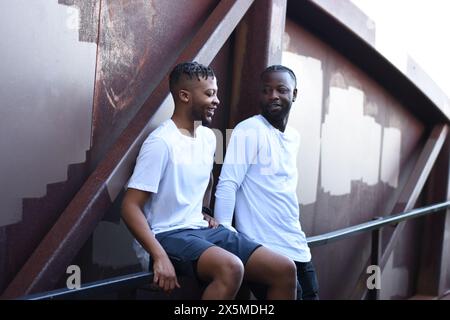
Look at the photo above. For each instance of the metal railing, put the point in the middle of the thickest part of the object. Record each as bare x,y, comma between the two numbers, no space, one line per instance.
136,280
94,289
375,225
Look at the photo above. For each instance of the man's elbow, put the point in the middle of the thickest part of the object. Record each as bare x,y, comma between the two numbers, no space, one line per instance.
133,201
126,206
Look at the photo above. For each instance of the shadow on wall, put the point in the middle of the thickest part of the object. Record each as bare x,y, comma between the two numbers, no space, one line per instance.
46,102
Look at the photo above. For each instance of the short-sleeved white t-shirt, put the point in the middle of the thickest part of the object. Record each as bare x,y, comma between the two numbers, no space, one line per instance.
176,168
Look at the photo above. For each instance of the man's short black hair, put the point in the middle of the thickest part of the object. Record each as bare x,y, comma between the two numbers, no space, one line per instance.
280,68
190,69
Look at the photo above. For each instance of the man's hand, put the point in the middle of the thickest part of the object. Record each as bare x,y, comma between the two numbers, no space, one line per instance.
212,223
164,274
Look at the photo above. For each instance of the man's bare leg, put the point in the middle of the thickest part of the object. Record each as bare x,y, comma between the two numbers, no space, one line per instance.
274,270
223,270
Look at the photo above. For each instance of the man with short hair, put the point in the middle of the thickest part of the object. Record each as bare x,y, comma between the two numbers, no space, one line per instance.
162,206
258,180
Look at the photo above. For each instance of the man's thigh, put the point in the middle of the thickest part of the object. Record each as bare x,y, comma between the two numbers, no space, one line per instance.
185,244
184,247
234,242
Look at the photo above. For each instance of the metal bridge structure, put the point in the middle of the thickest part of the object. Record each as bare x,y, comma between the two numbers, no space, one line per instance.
85,82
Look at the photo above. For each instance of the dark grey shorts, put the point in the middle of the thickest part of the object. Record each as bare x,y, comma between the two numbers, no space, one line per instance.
188,244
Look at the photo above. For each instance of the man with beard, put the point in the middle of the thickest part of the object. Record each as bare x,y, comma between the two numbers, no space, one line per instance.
258,180
162,206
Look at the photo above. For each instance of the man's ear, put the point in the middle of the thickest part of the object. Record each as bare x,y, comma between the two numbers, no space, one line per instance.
184,95
294,95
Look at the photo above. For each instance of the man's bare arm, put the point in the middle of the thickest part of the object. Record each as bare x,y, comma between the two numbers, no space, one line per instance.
133,215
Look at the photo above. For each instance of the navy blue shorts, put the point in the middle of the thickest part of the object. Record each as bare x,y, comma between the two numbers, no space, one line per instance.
188,244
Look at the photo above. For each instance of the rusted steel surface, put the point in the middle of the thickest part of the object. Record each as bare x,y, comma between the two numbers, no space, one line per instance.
435,254
356,21
39,215
88,18
351,16
343,179
141,40
413,90
55,252
422,169
318,17
258,44
222,68
416,181
444,283
203,47
108,252
47,91
138,42
409,196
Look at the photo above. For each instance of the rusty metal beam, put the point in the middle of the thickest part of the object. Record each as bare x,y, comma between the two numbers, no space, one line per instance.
416,181
328,20
129,64
444,268
258,44
435,253
55,252
408,197
352,18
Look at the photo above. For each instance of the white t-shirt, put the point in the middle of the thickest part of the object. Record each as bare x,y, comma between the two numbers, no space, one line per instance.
176,168
259,180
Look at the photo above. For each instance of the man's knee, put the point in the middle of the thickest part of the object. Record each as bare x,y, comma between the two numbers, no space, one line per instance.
286,269
232,269
283,272
218,264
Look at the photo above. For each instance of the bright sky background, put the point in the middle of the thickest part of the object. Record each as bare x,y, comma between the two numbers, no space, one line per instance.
419,28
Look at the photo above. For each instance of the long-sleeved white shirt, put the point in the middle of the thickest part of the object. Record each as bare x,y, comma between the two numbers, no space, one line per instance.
258,182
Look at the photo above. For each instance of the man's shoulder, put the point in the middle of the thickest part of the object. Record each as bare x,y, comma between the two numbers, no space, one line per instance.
251,123
162,133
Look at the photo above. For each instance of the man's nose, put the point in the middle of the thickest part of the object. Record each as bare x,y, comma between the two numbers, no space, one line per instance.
216,101
273,95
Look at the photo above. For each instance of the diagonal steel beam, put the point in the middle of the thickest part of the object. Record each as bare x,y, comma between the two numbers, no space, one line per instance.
56,251
435,253
408,196
415,183
260,31
444,268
